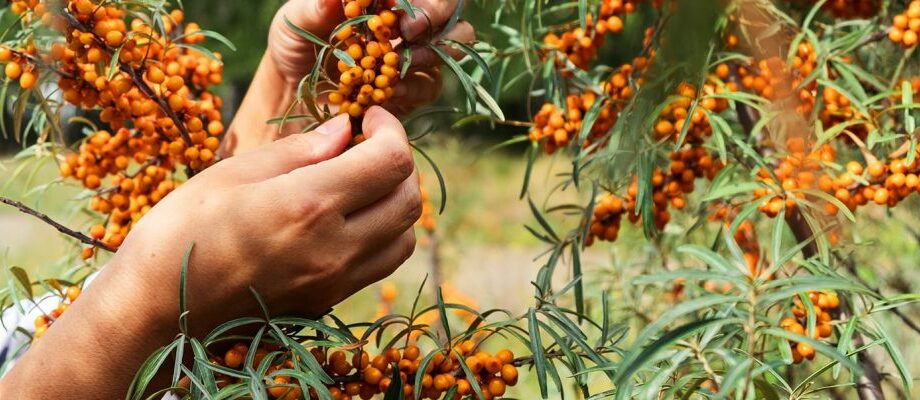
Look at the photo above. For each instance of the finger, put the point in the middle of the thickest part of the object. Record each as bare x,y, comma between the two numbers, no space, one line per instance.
292,152
386,219
430,17
367,172
416,89
318,17
424,57
382,264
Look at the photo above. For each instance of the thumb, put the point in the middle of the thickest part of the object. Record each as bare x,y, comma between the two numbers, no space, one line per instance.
292,152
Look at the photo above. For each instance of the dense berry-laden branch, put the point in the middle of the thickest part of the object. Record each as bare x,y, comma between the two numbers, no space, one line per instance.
138,81
57,225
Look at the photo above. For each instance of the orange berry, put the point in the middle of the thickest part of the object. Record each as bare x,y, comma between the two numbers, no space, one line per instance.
805,350
215,128
72,293
496,386
352,10
97,231
388,18
13,70
234,358
114,38
509,374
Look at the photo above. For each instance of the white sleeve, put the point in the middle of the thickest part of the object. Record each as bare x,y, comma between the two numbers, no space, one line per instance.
14,322
20,318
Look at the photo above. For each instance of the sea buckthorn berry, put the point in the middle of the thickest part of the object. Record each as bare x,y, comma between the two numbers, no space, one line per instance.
72,293
805,350
13,70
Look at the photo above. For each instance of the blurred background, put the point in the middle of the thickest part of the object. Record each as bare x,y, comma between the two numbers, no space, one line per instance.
481,246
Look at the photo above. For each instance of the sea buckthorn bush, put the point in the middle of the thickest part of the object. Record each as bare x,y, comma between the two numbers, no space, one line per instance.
746,142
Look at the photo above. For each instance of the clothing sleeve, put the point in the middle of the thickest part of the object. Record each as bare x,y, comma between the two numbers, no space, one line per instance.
17,324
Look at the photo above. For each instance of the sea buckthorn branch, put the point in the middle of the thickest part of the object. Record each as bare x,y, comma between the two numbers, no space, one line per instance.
136,78
869,383
57,225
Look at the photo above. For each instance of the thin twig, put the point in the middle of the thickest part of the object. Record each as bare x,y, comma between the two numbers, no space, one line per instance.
57,225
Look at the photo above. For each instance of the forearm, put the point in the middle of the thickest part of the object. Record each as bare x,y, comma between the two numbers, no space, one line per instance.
269,96
94,349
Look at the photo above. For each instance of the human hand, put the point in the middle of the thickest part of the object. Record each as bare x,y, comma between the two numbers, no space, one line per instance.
304,226
297,220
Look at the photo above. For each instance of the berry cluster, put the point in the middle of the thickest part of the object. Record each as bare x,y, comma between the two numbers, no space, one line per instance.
882,183
673,116
822,303
556,127
366,377
19,66
579,46
149,87
669,188
905,27
798,171
69,294
371,71
774,79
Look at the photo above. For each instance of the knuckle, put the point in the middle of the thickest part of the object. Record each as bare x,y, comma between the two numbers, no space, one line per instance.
401,160
408,246
413,206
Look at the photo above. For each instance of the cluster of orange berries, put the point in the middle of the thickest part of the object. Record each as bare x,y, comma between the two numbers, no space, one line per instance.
556,127
19,67
669,189
905,27
44,321
368,78
887,184
774,79
156,102
822,303
579,46
366,377
798,171
881,183
673,116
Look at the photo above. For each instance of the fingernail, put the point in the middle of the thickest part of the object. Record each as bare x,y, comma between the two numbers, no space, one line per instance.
335,125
